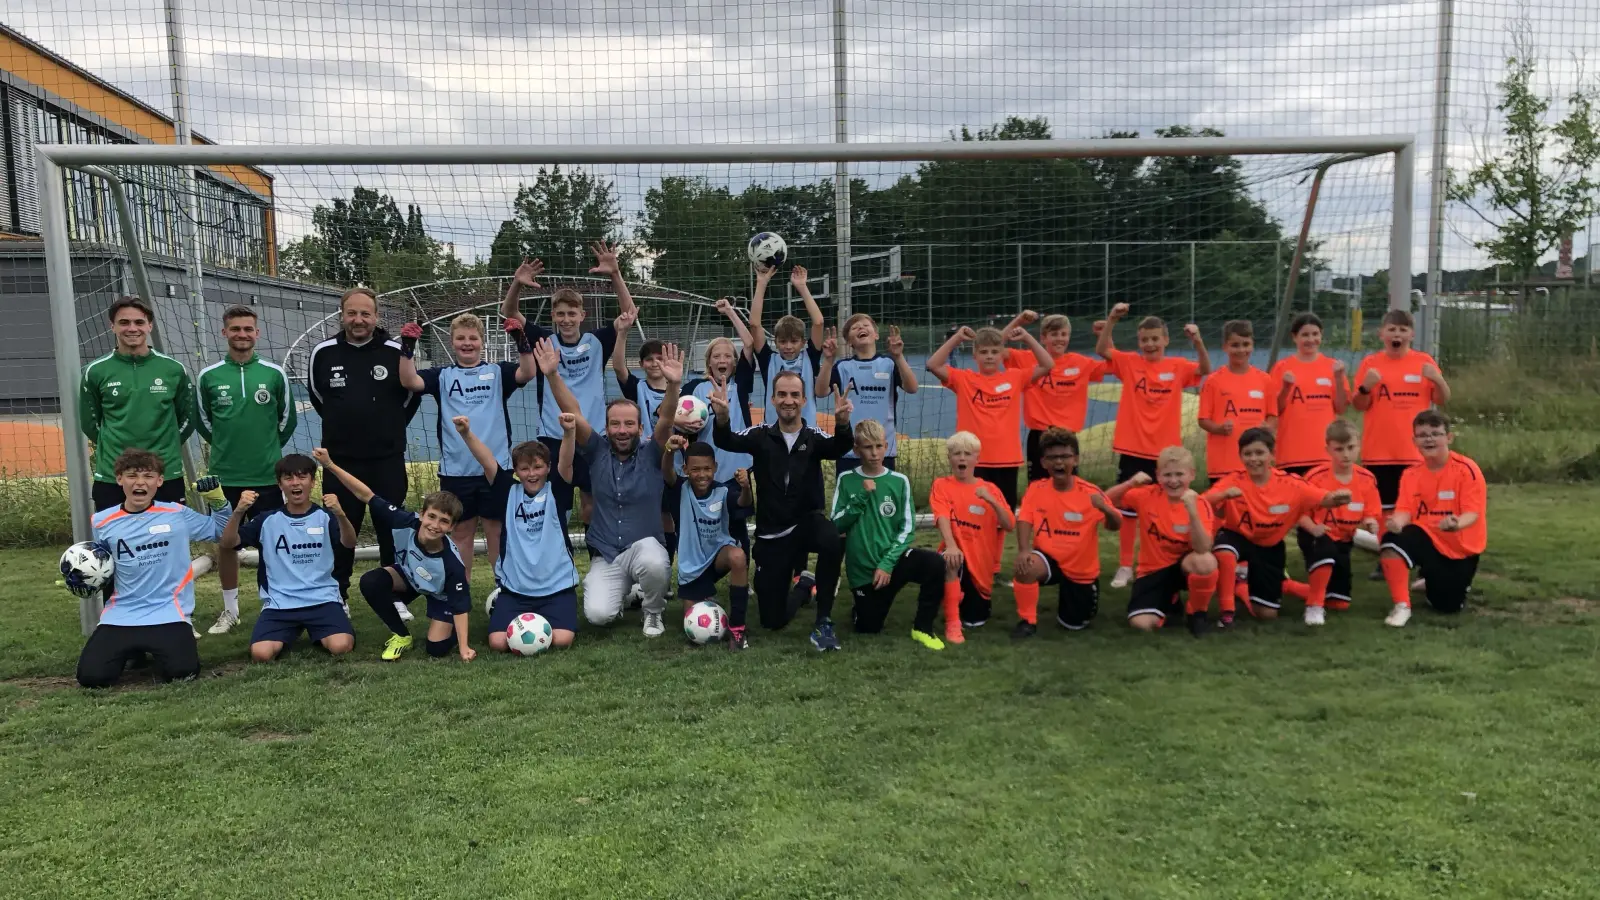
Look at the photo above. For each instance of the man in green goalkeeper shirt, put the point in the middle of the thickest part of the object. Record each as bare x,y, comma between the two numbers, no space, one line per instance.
245,411
873,508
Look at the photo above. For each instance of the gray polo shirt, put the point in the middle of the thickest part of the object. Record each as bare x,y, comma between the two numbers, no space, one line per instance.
627,495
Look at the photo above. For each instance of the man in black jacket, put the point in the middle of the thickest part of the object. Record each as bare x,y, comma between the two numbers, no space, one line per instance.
787,460
354,379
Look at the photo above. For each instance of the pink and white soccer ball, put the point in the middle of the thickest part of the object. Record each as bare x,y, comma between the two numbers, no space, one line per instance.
528,634
705,623
691,415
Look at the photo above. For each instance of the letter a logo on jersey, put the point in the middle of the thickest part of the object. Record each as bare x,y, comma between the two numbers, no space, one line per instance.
282,544
455,389
122,549
1230,411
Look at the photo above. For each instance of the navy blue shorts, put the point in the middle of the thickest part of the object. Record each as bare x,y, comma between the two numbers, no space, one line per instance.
476,495
284,625
559,609
703,587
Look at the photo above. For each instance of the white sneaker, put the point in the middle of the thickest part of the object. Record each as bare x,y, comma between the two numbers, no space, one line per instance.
404,611
653,626
225,623
488,602
1315,616
1123,576
1399,616
196,632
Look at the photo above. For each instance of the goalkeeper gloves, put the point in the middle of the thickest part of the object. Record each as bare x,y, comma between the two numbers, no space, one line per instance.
210,490
409,333
519,335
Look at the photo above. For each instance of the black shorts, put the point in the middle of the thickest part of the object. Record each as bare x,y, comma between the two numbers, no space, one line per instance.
1448,579
975,606
1388,478
704,585
559,609
850,464
107,494
1156,594
1325,551
171,646
1128,466
1079,602
476,495
1002,477
284,625
268,498
1265,580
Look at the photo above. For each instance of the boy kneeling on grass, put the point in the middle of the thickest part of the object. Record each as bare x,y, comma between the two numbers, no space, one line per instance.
426,563
706,548
1439,524
1175,527
872,507
973,521
1327,535
295,572
1058,538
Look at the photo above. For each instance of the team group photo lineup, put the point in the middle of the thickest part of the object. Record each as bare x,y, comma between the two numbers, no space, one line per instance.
700,471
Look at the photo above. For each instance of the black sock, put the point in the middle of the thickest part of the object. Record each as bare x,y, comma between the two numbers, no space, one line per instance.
739,600
377,586
929,598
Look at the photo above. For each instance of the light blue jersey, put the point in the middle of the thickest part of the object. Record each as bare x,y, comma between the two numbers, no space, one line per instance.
479,393
739,387
702,530
806,365
154,585
583,368
647,398
296,568
440,575
534,560
874,387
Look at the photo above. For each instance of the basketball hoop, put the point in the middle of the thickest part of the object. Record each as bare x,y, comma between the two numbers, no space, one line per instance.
906,280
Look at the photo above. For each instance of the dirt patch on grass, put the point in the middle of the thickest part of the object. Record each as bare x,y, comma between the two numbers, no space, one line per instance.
132,679
1545,612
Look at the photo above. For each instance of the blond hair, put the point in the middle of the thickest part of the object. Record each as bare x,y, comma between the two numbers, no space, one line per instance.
467,321
1179,456
566,296
868,431
962,441
1340,431
714,344
789,328
989,337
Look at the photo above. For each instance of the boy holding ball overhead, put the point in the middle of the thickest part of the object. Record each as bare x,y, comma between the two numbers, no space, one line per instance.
794,353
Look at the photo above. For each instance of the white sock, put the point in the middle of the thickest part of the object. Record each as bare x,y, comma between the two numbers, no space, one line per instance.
230,600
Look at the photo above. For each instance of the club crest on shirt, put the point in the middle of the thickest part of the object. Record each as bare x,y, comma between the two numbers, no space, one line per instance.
886,508
263,396
379,373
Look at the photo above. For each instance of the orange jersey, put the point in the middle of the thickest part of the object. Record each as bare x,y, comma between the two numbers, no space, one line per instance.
1150,411
977,529
1246,401
1267,512
1303,419
1342,521
990,406
1401,393
1163,526
1066,526
1061,398
1454,490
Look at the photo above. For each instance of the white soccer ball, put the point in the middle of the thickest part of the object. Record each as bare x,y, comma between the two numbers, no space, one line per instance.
768,249
705,622
528,634
87,567
691,414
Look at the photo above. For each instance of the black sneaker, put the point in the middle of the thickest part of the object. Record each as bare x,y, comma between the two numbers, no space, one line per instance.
1198,625
977,623
803,590
1024,630
1226,622
737,640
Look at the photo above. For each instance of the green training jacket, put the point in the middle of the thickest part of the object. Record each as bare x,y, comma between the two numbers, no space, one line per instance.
136,401
878,525
246,413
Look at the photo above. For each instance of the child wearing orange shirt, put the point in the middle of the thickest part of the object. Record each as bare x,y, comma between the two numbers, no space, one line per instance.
1392,386
1326,535
1150,410
1058,539
1312,391
989,400
1260,506
1061,398
1439,525
972,522
1234,400
1176,524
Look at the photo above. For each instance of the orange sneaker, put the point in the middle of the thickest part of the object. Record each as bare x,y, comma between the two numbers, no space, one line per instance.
1338,605
952,632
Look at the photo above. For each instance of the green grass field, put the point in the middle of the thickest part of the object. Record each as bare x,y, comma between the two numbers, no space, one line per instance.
1455,758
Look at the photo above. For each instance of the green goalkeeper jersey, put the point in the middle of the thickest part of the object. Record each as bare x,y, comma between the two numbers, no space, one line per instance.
877,524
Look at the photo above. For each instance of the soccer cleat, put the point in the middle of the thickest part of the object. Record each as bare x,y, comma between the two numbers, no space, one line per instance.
404,611
396,645
736,638
803,590
636,597
1198,624
1338,605
653,626
1225,622
1123,577
1315,616
976,623
1024,630
952,633
488,602
823,638
1399,616
927,640
225,623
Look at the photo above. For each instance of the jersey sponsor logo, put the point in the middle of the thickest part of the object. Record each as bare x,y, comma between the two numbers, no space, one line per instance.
1154,393
123,549
528,516
1383,393
164,528
282,545
379,373
983,398
458,390
263,396
336,380
157,386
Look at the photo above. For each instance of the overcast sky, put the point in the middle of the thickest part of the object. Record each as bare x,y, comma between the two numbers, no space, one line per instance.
649,71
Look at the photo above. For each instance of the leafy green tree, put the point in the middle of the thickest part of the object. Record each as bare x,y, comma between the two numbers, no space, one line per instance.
556,218
696,234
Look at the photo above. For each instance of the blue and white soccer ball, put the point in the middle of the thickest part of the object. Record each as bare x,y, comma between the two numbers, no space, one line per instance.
87,567
768,249
529,634
705,623
690,415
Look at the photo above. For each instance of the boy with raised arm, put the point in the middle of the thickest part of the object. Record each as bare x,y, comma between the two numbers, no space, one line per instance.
706,548
1313,391
426,563
1326,535
1058,539
989,399
1392,387
1150,408
1176,523
725,366
873,382
295,573
794,353
1061,398
972,518
1234,400
1439,524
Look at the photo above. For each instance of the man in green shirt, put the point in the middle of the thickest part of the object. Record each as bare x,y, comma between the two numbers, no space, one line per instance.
134,398
873,508
245,412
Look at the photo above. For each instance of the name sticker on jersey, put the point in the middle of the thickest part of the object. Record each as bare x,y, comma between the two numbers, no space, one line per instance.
1356,506
1072,516
164,528
1413,379
1071,372
1181,529
1278,509
1165,376
884,376
714,507
1324,382
422,573
313,531
1256,395
1443,495
486,376
1002,387
975,510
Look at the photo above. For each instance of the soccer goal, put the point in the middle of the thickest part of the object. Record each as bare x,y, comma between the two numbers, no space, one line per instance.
1192,229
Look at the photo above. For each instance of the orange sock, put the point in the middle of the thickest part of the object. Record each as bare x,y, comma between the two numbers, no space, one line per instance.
1027,602
1201,587
1125,543
952,612
1227,577
1398,576
1296,589
1319,578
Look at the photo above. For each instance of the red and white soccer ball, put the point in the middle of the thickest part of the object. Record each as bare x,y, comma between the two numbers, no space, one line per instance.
705,623
528,634
691,415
